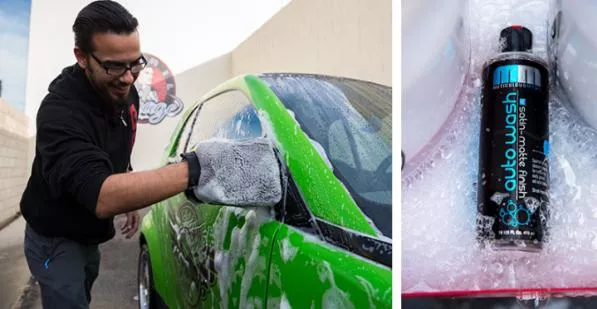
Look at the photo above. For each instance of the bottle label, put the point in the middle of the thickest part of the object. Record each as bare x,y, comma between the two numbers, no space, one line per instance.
513,186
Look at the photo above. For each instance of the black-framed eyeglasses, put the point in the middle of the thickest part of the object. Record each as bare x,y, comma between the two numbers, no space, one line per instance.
118,68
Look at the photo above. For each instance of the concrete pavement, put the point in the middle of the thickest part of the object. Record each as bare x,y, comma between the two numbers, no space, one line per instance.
116,286
14,272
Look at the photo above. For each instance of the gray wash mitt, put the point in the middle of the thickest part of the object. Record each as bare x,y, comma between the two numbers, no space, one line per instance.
238,173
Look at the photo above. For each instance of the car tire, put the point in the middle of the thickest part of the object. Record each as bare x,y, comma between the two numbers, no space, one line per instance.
147,294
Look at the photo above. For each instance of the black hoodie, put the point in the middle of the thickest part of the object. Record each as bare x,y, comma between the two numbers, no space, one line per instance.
81,140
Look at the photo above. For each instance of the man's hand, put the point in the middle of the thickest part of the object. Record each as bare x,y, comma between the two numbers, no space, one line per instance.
131,225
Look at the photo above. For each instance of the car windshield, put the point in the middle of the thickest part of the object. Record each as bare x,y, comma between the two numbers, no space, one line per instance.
351,121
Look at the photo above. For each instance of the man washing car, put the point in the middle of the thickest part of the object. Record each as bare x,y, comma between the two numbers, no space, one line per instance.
81,175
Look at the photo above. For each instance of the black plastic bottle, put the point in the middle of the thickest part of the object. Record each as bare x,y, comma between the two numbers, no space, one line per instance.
513,182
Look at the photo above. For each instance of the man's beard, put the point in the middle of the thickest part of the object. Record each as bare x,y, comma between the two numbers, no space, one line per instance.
120,102
104,93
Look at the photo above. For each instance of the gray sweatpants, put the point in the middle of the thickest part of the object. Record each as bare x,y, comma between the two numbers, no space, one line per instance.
64,269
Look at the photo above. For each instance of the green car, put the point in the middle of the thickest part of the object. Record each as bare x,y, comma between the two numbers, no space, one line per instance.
326,244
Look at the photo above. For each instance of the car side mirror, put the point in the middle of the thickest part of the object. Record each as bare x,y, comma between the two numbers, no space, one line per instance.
238,173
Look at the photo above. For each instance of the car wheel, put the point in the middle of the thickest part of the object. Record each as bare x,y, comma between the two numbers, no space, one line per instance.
147,294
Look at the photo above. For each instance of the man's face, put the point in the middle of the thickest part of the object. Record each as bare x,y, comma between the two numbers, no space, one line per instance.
111,49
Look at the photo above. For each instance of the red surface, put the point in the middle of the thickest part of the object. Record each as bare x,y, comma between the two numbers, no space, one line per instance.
554,292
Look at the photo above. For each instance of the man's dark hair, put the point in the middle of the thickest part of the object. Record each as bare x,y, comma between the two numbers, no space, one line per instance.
102,16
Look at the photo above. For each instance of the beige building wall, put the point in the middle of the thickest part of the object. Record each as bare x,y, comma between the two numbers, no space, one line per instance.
350,38
14,159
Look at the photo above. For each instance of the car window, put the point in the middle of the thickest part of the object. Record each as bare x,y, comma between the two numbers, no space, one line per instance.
185,133
354,143
351,121
229,115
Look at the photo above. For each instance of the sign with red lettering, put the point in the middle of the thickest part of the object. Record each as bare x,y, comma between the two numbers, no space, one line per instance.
157,92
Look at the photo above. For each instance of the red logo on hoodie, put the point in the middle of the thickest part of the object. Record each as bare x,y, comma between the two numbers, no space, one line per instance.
133,114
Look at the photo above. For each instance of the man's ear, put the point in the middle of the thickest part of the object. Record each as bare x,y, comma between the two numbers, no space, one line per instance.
82,58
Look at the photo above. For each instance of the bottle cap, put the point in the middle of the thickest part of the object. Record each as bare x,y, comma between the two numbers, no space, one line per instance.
516,38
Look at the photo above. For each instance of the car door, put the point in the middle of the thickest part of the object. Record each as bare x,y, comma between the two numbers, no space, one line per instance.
165,277
221,253
341,269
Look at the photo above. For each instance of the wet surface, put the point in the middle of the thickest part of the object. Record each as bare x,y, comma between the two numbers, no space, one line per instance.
116,286
14,272
499,303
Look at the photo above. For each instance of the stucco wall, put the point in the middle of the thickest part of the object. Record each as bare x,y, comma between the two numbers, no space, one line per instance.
350,38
